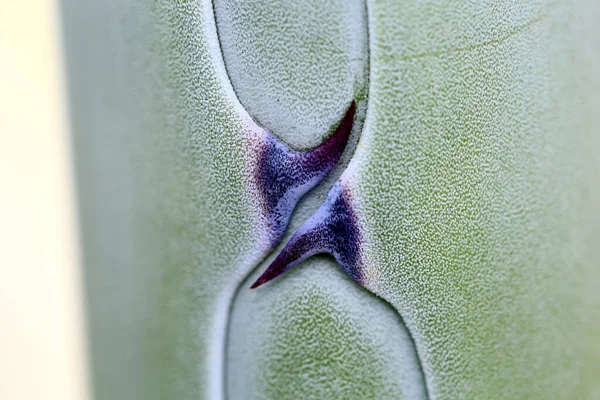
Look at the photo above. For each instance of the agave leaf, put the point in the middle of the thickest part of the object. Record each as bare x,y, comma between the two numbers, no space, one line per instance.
474,183
477,179
169,218
168,224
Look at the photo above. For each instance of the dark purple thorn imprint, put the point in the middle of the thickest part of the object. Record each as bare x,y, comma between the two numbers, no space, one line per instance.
332,229
285,175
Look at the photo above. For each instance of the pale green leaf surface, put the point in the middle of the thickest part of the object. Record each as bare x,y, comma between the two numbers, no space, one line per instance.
295,65
477,176
318,335
169,228
166,216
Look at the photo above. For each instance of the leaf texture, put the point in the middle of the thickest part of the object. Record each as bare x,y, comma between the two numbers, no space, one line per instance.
474,183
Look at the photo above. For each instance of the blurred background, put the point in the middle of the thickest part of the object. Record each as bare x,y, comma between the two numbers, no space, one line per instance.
42,346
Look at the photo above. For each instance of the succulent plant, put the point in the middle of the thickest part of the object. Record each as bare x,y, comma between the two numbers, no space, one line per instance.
462,208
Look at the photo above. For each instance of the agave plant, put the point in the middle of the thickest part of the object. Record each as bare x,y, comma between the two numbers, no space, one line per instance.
444,153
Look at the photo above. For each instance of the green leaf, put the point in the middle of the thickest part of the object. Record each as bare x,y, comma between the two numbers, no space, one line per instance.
475,183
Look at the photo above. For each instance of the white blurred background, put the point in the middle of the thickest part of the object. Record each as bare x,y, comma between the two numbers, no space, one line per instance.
42,346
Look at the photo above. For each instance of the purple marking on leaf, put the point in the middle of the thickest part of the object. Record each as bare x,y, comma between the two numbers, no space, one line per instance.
332,229
285,175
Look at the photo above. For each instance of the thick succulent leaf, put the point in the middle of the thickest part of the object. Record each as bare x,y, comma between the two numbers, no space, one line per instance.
315,334
295,65
475,183
170,225
292,65
170,216
477,175
476,195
